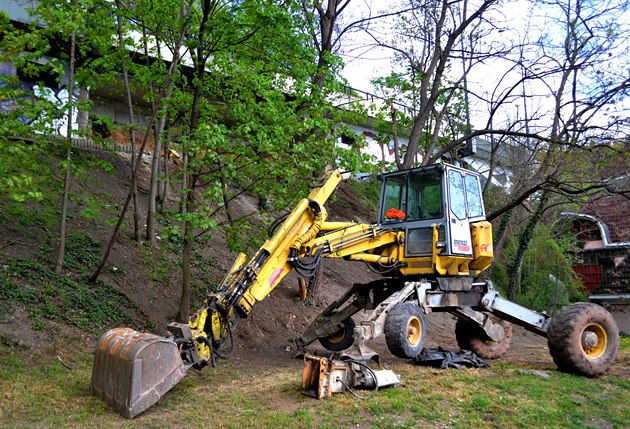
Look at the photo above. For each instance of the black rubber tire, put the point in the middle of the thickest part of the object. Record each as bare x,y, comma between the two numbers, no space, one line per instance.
470,336
405,330
583,338
342,339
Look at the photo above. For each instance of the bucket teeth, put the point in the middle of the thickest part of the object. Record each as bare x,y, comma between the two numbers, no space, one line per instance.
132,370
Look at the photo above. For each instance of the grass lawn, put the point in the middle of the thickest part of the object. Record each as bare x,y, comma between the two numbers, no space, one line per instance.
233,396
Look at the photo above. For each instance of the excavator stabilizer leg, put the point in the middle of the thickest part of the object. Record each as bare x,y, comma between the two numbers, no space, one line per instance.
132,370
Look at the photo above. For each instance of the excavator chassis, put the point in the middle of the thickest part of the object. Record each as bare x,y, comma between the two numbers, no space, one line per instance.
473,302
583,338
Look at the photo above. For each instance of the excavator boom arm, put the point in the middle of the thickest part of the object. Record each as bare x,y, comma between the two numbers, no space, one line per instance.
250,282
299,242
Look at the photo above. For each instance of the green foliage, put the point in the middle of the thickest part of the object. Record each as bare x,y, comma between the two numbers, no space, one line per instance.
206,278
83,252
403,90
91,208
353,157
172,233
158,265
243,236
548,281
29,219
64,298
368,191
12,365
22,177
495,197
35,109
261,127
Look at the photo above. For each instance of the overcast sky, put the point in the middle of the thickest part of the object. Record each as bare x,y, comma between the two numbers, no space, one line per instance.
364,61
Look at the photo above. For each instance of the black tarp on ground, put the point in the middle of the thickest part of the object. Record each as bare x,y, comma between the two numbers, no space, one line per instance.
440,358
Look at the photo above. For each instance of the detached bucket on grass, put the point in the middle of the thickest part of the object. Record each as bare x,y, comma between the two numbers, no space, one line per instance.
133,370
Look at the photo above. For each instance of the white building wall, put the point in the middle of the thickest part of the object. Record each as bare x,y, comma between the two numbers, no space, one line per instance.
381,152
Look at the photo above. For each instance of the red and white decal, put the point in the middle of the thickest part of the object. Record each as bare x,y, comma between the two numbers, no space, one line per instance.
275,276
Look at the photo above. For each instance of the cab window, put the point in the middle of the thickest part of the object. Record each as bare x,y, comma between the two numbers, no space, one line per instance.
394,201
473,197
456,194
425,196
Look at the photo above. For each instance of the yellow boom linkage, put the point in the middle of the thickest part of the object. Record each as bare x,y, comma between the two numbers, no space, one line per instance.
246,284
126,372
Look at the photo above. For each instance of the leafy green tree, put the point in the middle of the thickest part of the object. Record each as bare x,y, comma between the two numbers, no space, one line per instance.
28,112
548,281
180,29
67,26
251,119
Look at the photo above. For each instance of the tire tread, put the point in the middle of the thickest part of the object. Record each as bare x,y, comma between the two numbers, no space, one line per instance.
564,339
470,337
395,330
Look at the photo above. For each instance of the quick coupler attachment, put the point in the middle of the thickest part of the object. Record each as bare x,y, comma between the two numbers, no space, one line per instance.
322,376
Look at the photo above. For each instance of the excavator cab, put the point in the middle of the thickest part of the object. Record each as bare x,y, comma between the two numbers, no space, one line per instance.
444,195
442,199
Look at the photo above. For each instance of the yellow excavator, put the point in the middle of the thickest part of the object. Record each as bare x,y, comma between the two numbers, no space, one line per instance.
430,242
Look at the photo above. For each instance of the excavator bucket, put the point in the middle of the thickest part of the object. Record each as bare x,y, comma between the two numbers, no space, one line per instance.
132,370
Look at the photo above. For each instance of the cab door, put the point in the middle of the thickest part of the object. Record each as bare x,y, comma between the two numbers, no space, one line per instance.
458,224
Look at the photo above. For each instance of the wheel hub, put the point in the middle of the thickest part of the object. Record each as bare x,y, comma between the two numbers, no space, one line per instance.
337,337
414,329
594,340
589,339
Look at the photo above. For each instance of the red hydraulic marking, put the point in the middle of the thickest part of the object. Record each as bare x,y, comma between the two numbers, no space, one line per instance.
274,277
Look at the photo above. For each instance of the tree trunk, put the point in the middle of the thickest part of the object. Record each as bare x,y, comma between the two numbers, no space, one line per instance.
189,239
395,138
132,122
190,180
502,234
153,191
184,178
66,183
184,303
136,213
516,267
83,113
151,221
163,192
64,210
168,81
226,200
